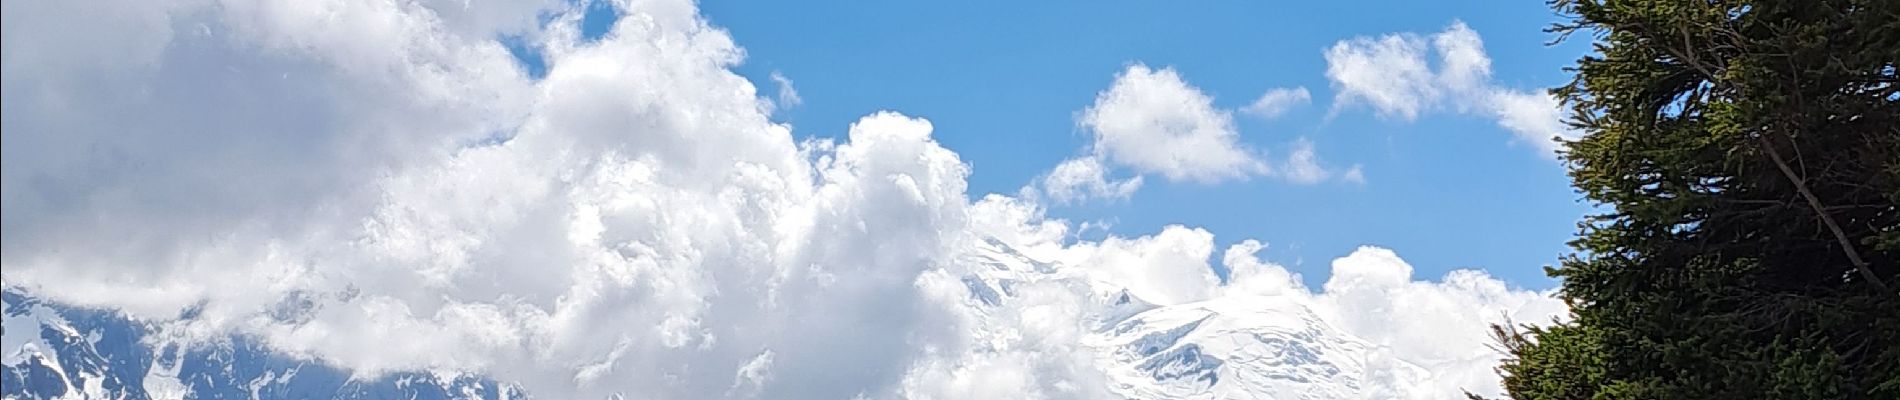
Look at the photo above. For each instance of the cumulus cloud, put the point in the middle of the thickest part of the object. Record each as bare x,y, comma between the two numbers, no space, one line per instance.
1169,267
1248,274
1153,121
1405,75
633,222
1372,293
1277,102
1388,74
378,185
1083,178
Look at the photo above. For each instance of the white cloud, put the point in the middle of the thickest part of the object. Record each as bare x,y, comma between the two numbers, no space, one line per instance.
1388,74
1277,102
1371,292
469,18
1534,117
1249,275
1354,175
1463,67
1303,166
751,376
1154,122
1083,178
1429,337
632,223
1394,76
787,95
1169,267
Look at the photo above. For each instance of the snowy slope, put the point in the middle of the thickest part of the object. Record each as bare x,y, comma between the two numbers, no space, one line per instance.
1230,347
1239,347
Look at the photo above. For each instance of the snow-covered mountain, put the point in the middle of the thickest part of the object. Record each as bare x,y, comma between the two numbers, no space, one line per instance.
1229,347
1240,347
55,351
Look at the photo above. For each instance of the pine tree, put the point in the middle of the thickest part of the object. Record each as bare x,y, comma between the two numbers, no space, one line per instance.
1749,154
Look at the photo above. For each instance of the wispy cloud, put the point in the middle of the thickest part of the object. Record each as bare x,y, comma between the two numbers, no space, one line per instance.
787,97
1277,102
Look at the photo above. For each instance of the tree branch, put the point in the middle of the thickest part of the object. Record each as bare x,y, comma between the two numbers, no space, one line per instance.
1847,245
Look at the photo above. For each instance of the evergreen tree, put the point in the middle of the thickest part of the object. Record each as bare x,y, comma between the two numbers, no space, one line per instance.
1749,154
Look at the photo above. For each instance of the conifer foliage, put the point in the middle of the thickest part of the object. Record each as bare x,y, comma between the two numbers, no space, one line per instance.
1747,154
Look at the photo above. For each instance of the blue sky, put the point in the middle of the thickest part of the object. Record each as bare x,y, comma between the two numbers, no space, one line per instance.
1003,84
